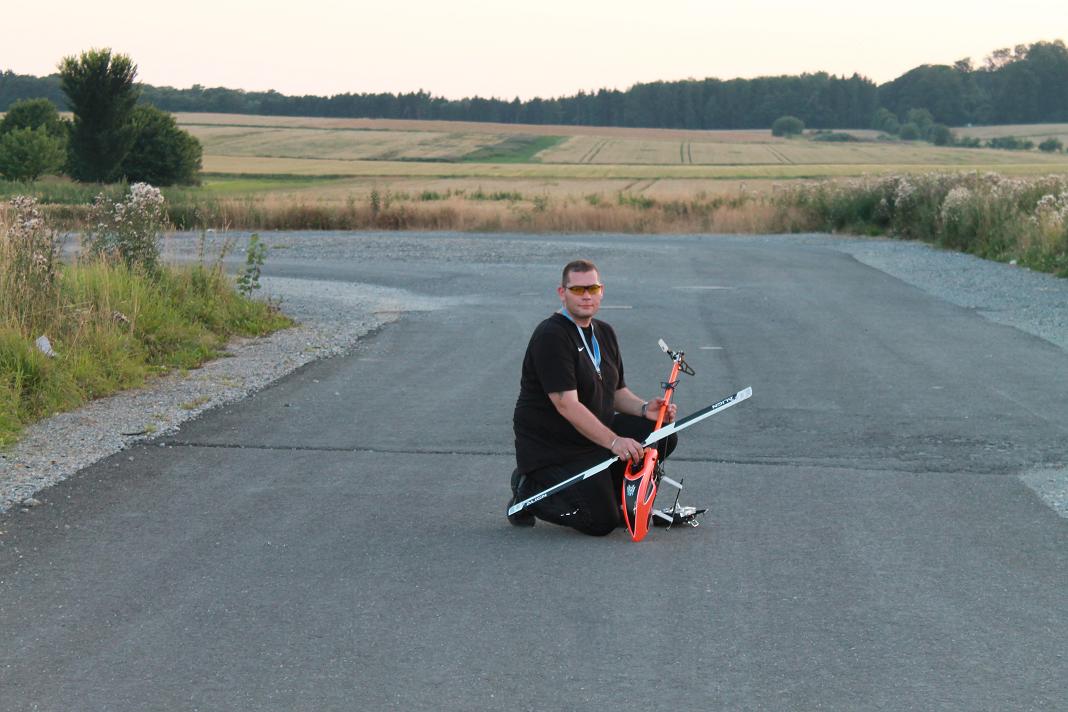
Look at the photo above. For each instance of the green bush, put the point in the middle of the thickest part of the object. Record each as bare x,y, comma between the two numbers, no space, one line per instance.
910,132
922,119
834,137
1051,145
162,154
940,135
35,114
885,121
787,126
1010,143
27,154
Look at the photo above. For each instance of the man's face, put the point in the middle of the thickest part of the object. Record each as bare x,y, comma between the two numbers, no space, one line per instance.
581,306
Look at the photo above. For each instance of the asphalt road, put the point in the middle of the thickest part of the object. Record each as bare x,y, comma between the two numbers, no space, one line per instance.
338,541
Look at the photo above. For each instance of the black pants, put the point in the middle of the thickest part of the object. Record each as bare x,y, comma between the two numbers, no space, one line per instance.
591,506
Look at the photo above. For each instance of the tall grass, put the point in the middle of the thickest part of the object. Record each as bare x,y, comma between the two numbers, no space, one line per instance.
480,211
1024,220
498,210
110,325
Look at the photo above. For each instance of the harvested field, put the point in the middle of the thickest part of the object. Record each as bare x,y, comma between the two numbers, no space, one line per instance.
287,145
203,119
600,150
593,150
340,145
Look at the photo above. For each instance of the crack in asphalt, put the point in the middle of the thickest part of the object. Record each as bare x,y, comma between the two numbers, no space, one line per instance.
924,468
393,451
326,448
362,448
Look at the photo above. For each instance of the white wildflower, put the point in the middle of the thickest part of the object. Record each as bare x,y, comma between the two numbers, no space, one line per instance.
956,200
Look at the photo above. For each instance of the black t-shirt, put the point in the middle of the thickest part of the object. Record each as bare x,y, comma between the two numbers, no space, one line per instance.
557,360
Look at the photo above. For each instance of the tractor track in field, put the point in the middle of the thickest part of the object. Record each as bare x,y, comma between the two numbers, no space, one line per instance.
781,156
594,150
686,153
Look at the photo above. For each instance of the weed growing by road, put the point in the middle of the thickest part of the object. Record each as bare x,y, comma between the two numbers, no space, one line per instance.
129,229
256,254
195,403
29,260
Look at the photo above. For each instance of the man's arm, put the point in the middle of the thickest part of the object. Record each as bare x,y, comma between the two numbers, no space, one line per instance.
568,405
625,401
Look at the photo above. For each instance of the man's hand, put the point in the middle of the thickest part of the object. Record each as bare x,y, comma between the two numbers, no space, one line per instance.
627,449
653,410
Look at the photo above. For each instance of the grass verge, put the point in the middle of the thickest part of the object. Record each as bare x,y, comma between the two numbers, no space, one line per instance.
110,328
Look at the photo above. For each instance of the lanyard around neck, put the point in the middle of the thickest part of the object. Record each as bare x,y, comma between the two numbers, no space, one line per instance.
595,352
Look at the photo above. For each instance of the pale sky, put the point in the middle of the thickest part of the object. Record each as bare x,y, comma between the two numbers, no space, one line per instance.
458,48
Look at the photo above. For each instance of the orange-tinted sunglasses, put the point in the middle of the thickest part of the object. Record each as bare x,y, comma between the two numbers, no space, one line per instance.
584,288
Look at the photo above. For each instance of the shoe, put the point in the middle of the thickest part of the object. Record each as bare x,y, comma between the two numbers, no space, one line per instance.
524,518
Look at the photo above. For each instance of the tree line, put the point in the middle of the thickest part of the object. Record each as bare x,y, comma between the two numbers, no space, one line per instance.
819,99
1025,84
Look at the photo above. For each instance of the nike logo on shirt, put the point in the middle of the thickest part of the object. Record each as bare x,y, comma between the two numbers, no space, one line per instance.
581,348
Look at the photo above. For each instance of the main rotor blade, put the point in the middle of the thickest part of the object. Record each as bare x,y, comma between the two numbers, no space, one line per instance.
654,436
